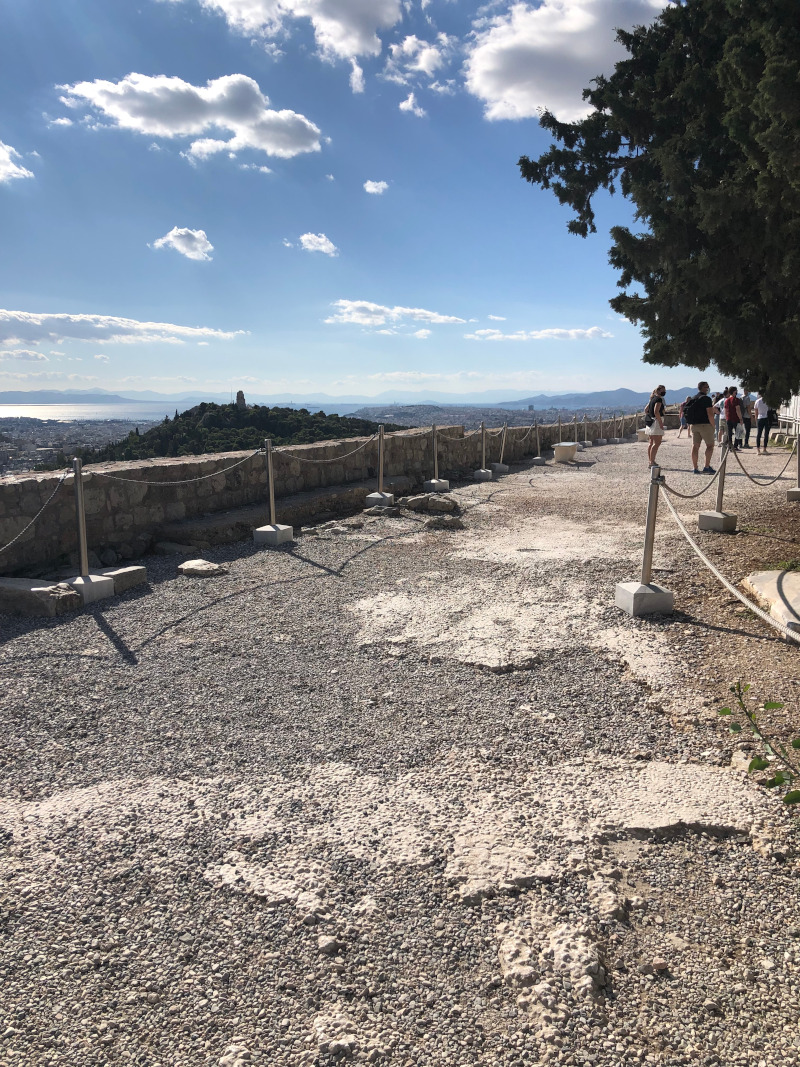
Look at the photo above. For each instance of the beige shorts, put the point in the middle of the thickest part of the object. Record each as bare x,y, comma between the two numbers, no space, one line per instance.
703,431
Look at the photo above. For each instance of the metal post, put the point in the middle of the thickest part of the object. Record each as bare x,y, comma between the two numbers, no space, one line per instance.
585,431
503,442
616,432
483,446
601,425
575,424
380,458
271,481
435,454
797,446
721,479
559,427
80,515
650,528
538,443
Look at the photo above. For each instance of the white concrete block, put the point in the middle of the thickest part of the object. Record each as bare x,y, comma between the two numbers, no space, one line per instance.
380,500
565,452
273,535
125,577
637,599
779,592
482,475
641,435
436,485
499,468
27,596
793,494
717,521
93,587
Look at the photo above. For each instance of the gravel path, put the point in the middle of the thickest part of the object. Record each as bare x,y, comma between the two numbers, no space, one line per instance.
403,796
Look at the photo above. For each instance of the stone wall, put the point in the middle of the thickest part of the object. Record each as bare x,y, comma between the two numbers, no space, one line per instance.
126,516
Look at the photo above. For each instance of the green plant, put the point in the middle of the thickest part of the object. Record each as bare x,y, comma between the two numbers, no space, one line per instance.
774,751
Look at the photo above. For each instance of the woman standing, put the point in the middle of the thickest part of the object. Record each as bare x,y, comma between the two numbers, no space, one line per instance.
654,418
720,420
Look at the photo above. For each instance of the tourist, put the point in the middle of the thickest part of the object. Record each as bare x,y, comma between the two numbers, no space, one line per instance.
684,424
761,408
654,421
733,416
720,423
746,401
700,414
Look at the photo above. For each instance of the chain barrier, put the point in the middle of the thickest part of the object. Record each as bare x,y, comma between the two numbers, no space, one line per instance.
763,485
791,635
336,459
181,481
44,506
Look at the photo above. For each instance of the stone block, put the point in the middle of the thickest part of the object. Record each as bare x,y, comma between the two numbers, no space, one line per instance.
615,440
273,535
24,596
779,593
436,485
600,441
482,475
125,577
201,568
793,494
641,435
716,521
538,461
637,599
565,451
380,500
93,587
499,468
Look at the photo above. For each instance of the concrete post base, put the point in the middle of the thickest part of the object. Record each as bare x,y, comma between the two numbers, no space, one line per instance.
717,521
93,587
600,441
637,599
500,468
273,535
380,500
565,452
538,461
581,446
615,440
436,485
793,494
482,475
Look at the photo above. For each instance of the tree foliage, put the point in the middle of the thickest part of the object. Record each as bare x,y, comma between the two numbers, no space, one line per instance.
700,129
227,428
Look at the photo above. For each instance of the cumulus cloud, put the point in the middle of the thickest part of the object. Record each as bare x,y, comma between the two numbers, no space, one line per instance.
496,318
412,57
365,313
9,169
543,56
317,242
63,121
24,354
423,335
101,358
356,77
592,334
410,104
342,28
376,187
170,107
194,244
25,326
255,166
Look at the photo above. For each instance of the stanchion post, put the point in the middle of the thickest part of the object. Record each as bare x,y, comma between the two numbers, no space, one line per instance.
503,441
435,454
270,480
500,467
380,499
436,484
585,430
80,516
794,494
645,597
274,533
538,442
719,521
380,457
483,474
575,424
559,427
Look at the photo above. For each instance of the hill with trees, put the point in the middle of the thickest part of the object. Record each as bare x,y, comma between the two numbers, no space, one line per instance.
228,428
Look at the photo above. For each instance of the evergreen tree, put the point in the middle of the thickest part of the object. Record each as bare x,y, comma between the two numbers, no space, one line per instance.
700,129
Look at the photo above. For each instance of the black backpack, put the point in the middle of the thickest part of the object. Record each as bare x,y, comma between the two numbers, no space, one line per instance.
695,410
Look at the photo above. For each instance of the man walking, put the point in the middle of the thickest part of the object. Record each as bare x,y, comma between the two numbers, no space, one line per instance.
699,413
733,416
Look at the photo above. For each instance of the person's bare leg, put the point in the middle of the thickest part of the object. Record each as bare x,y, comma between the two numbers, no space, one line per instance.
695,453
709,454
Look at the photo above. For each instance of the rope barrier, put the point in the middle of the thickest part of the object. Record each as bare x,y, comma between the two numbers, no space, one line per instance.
763,485
181,481
694,496
336,459
790,635
46,504
465,437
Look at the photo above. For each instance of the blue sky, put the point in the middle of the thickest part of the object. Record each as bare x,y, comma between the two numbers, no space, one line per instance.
296,196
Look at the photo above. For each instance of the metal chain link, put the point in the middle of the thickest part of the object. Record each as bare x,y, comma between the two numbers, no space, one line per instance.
46,504
791,635
180,481
763,485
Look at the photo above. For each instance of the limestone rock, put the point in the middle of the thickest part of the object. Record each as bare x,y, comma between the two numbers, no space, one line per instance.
444,522
24,596
201,568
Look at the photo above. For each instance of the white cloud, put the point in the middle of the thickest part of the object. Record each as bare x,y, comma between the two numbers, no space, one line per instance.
365,313
170,107
255,166
28,327
330,178
410,104
529,58
101,358
24,354
318,242
356,77
8,168
496,318
376,187
592,334
50,376
63,121
412,57
423,335
194,244
342,28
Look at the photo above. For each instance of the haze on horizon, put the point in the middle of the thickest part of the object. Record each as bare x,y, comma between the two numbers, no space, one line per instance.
303,198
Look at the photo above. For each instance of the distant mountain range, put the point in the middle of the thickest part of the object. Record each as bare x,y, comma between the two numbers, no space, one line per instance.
608,399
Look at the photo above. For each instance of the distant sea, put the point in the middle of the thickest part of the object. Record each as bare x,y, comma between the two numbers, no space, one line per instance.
88,412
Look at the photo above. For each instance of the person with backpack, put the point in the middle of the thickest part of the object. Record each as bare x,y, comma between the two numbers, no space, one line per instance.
733,417
654,422
684,424
699,413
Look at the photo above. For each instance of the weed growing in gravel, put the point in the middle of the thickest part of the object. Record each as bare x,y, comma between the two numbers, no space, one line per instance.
774,751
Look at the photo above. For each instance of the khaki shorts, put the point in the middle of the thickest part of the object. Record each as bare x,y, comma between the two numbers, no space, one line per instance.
703,431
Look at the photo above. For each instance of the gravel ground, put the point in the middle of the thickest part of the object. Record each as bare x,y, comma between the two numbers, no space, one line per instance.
406,796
